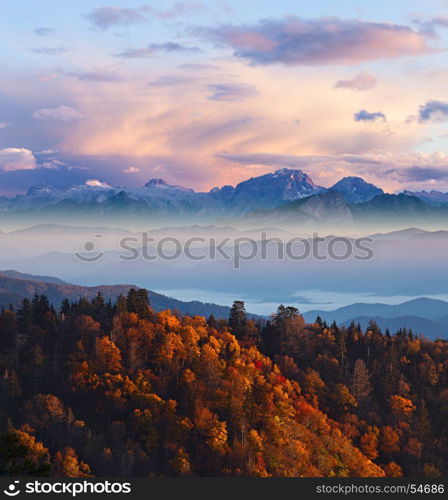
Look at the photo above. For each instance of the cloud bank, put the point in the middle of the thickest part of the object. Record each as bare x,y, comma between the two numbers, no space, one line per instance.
294,41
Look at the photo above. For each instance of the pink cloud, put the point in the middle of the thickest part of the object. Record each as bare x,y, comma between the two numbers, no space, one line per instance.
295,41
361,82
16,159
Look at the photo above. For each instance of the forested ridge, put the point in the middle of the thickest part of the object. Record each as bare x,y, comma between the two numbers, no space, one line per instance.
102,389
15,286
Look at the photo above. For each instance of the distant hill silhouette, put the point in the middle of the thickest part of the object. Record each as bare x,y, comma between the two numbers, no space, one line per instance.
15,286
425,316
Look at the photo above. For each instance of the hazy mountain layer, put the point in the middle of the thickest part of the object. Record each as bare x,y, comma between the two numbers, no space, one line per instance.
275,198
424,316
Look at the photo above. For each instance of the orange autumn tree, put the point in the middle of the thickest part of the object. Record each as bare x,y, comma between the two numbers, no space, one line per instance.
130,391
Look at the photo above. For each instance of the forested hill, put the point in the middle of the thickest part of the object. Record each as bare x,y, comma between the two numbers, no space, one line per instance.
121,390
14,287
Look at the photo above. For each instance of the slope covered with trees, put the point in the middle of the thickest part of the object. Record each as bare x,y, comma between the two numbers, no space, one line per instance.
15,286
100,389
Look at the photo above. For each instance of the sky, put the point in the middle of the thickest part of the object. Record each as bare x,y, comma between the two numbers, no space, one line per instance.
205,94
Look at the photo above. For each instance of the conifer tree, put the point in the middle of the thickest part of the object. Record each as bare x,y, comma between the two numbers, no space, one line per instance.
237,317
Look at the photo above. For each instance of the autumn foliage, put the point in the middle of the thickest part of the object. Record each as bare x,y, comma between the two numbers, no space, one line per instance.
99,389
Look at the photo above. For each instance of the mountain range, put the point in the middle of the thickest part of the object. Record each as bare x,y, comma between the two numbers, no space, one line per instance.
426,316
283,197
266,192
158,197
